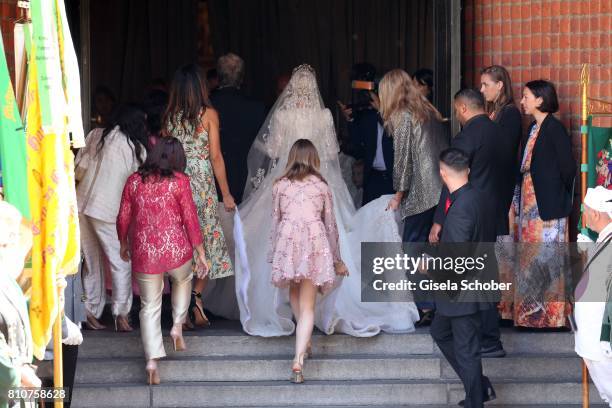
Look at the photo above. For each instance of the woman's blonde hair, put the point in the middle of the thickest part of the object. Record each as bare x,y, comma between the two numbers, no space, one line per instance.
399,93
303,161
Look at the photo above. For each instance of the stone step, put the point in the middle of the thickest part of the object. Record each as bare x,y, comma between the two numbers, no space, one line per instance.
344,367
522,366
431,406
348,393
120,345
604,405
227,343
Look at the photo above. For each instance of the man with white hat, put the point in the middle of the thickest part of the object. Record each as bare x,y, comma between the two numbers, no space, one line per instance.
592,317
16,369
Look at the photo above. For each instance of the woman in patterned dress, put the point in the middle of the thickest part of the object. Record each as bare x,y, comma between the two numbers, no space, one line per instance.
191,119
548,170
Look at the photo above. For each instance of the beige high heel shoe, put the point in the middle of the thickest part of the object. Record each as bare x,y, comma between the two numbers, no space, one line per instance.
152,373
177,337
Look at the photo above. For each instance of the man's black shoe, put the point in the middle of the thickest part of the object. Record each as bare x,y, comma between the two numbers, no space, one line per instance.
426,319
489,392
493,352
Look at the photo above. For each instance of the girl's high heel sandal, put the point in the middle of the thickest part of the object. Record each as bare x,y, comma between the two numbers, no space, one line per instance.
196,311
177,338
152,373
297,375
122,324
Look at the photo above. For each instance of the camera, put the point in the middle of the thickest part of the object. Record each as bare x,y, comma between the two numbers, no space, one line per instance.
364,81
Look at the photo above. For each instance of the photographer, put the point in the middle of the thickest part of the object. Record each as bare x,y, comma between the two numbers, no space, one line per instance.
366,133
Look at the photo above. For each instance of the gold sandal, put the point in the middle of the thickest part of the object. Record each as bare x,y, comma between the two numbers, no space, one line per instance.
297,375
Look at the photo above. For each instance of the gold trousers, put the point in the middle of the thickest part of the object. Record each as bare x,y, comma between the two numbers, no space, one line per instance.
151,290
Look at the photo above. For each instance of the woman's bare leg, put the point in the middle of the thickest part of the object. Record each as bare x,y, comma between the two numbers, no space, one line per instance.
294,299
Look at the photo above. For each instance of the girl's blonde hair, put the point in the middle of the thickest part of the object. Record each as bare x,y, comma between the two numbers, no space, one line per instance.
399,93
303,161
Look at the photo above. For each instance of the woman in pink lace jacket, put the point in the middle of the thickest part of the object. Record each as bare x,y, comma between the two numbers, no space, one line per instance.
304,249
158,218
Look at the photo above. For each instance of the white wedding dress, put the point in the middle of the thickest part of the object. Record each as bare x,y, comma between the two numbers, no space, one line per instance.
299,113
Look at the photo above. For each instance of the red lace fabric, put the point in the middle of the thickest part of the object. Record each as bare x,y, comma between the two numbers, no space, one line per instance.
161,221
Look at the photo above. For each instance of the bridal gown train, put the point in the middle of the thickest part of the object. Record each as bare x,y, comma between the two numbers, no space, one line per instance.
299,113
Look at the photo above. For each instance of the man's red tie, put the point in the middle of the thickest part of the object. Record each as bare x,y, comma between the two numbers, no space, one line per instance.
447,205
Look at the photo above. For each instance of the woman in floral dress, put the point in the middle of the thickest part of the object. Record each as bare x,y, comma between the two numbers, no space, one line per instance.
191,119
548,171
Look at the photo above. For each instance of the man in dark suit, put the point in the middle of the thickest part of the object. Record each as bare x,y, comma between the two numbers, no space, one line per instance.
457,322
239,118
375,148
478,140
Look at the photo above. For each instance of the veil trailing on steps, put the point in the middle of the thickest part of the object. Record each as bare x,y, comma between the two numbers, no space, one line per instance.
299,113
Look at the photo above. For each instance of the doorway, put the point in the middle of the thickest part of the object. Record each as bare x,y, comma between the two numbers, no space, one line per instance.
129,46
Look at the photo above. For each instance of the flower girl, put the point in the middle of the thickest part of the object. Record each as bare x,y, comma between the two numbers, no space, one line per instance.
304,250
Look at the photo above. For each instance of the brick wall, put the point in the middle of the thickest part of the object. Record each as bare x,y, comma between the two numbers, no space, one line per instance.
8,14
547,39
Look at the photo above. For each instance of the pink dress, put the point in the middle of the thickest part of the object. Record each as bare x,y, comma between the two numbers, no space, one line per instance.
161,220
304,236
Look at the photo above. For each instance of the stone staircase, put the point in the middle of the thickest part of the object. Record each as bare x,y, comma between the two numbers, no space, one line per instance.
223,367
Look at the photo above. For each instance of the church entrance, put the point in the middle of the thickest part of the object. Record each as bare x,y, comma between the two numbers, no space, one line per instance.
131,47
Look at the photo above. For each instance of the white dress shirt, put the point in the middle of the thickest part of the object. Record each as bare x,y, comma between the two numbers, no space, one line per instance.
589,313
99,196
379,158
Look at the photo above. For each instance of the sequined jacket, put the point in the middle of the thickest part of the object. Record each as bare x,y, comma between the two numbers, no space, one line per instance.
416,168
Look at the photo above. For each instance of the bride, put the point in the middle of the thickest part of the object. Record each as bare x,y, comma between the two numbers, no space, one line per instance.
299,113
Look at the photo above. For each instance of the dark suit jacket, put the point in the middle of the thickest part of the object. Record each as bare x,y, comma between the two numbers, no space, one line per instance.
553,170
468,221
363,132
240,119
478,139
509,119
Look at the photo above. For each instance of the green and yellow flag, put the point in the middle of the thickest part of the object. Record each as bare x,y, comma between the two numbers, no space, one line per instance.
600,155
599,166
12,143
50,173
